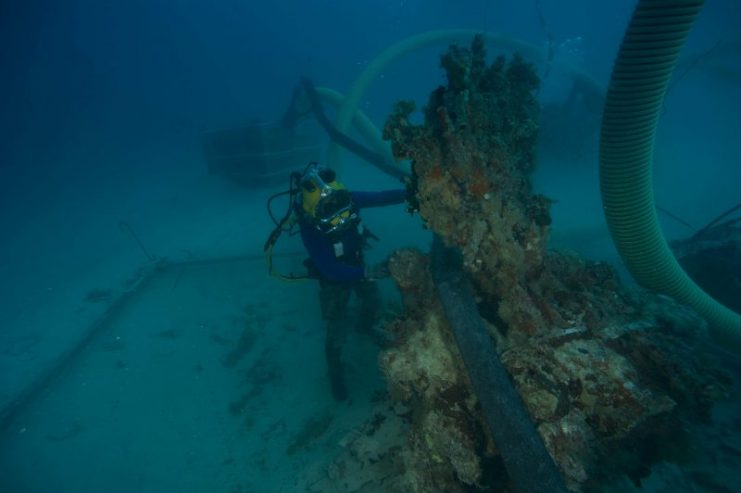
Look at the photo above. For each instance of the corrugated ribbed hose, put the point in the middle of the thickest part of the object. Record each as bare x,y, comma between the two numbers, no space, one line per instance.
640,76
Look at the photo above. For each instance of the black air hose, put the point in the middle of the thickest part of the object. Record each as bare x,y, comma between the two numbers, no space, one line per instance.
343,139
525,457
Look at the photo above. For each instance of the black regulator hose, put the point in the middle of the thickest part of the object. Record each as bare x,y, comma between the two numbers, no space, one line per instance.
343,139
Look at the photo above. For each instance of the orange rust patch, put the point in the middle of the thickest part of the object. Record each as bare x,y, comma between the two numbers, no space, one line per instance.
479,188
435,173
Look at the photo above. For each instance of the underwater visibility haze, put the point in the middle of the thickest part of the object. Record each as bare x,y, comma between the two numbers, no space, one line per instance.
370,246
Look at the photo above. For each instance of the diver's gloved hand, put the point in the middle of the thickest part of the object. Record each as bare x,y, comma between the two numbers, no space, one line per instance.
377,271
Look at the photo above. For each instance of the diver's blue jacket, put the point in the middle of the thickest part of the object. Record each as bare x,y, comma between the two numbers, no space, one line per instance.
338,257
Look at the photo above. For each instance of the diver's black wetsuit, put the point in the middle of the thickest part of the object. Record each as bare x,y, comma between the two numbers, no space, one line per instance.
336,259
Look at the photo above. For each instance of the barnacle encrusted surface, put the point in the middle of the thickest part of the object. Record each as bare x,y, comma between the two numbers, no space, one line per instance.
472,160
609,376
609,401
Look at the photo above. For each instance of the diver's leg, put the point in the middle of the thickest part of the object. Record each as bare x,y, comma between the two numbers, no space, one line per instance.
334,299
370,304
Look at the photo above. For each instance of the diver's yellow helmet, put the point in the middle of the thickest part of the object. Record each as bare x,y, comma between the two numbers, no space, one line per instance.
326,200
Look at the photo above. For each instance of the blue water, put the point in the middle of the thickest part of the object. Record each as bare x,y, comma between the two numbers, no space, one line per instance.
103,106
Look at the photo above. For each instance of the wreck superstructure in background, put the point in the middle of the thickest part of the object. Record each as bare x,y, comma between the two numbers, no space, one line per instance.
260,154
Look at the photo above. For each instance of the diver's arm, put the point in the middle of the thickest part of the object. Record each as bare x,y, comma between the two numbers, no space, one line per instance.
322,255
379,199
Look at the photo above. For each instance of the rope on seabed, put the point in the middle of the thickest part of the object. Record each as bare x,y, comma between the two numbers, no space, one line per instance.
126,228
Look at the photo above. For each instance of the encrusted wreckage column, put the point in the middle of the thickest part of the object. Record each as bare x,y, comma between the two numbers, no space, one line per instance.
609,377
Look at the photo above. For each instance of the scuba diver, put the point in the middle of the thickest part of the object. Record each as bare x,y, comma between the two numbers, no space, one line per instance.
327,215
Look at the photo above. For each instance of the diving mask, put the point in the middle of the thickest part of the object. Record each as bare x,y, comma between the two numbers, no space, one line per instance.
316,177
327,201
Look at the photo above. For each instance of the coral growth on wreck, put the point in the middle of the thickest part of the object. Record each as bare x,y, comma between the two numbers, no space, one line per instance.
608,400
448,442
607,376
472,161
